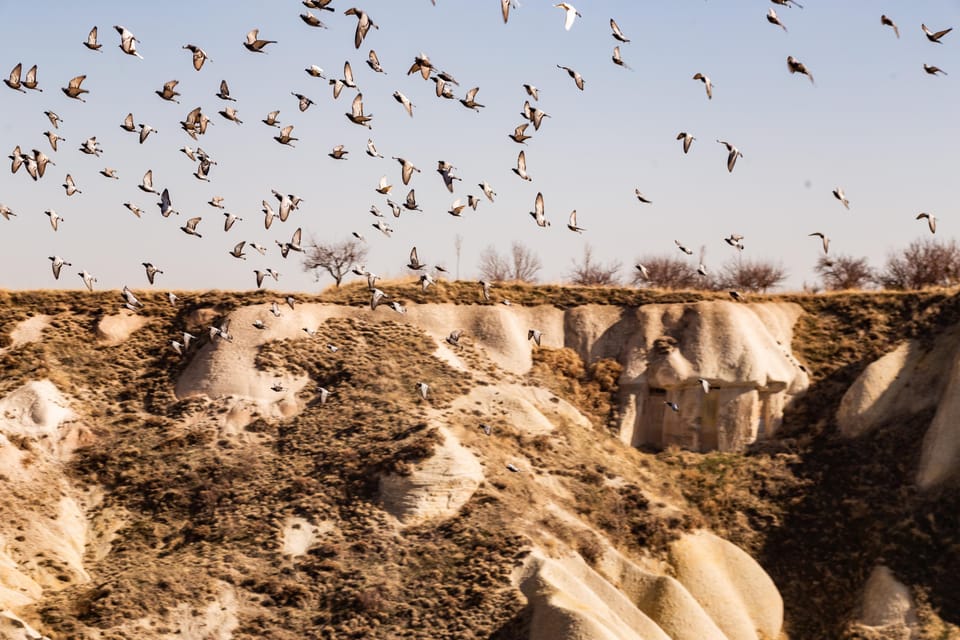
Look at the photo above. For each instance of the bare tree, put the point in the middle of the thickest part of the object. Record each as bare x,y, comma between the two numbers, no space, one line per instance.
336,259
665,272
755,276
844,272
588,272
521,265
924,263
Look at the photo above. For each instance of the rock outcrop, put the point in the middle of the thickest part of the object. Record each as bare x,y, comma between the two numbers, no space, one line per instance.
906,381
741,350
719,593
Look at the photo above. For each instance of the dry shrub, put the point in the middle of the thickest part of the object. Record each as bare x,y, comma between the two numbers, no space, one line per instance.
520,265
754,276
588,272
840,273
924,263
666,272
592,390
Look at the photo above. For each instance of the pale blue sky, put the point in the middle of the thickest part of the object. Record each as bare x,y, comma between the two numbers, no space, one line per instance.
875,124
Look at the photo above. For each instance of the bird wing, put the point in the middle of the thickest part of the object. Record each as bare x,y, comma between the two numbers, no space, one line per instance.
413,256
295,240
148,179
348,73
357,107
538,206
505,10
252,36
570,17
407,172
472,94
73,84
522,163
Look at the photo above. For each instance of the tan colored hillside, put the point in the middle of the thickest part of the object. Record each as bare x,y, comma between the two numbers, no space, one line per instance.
537,492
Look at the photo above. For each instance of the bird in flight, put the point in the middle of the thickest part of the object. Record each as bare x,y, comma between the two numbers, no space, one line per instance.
538,213
199,55
571,14
772,18
931,221
732,154
707,83
128,43
887,22
795,66
617,33
839,195
254,43
577,78
824,240
935,37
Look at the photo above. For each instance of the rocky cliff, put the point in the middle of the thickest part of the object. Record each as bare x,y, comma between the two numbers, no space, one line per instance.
654,468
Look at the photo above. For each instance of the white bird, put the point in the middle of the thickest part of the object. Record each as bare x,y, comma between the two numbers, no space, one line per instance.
88,279
572,223
839,195
687,140
376,295
425,281
237,251
642,198
571,14
128,43
704,384
537,212
521,168
643,271
146,184
151,270
56,264
405,101
931,221
407,169
680,246
707,83
732,154
229,220
824,240
91,41
372,149
535,335
70,186
487,190
423,388
54,218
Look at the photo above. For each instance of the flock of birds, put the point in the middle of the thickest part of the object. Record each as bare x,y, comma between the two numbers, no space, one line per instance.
196,121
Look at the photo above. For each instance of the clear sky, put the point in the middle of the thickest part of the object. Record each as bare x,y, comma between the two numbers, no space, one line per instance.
875,123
